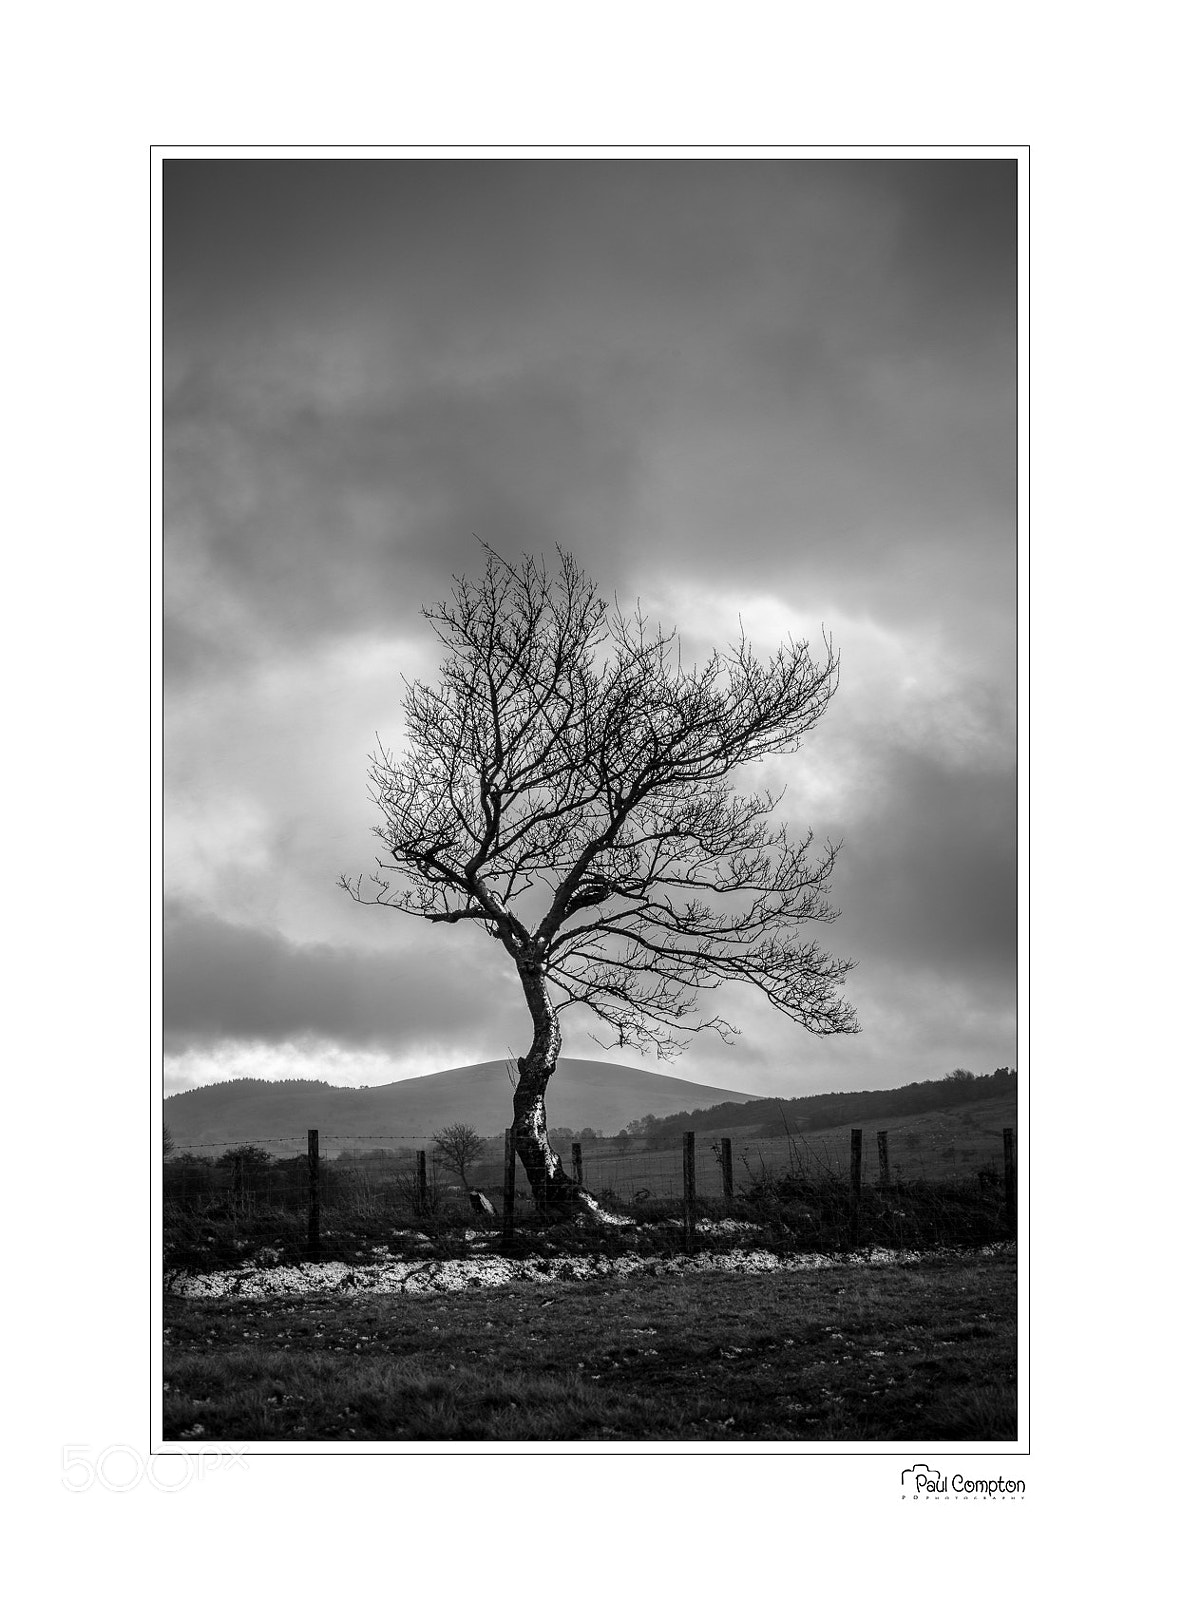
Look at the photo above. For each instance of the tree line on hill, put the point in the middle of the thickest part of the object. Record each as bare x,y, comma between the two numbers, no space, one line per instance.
772,1118
234,1086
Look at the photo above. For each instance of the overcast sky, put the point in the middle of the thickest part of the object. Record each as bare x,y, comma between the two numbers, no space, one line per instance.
781,390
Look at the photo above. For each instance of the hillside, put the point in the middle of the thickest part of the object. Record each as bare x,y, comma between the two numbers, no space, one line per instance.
956,1138
594,1094
772,1118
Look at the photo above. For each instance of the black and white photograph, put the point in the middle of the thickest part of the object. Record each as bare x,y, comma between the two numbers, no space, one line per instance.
591,727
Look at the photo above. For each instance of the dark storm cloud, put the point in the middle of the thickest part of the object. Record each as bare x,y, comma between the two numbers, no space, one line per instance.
240,234
369,362
930,877
334,519
475,239
227,982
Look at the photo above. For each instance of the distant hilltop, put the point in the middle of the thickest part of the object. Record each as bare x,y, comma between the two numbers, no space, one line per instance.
602,1095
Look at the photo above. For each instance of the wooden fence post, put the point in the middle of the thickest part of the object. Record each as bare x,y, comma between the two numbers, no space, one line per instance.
727,1171
883,1157
577,1160
690,1189
1010,1179
420,1184
509,1181
313,1189
855,1185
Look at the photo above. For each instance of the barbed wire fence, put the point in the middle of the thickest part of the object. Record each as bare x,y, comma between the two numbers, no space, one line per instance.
404,1179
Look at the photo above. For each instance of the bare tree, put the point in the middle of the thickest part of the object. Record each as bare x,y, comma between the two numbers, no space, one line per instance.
568,787
459,1147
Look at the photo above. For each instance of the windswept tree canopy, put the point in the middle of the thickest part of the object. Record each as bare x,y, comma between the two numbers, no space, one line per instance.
567,784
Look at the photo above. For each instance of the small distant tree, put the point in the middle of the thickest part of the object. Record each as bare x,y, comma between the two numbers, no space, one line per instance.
569,787
244,1158
247,1162
169,1142
459,1147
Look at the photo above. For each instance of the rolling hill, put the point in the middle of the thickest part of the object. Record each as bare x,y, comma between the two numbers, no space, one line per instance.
595,1094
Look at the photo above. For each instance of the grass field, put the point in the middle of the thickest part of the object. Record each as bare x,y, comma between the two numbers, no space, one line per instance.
920,1352
953,1142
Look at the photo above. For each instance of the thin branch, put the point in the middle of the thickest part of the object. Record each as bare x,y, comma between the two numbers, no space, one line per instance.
567,749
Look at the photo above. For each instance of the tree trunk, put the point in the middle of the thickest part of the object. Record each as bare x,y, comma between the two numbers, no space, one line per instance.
555,1192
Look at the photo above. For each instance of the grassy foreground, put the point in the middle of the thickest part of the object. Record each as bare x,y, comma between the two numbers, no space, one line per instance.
895,1353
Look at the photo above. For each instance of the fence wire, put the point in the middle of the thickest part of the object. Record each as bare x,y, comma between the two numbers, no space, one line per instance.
404,1172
